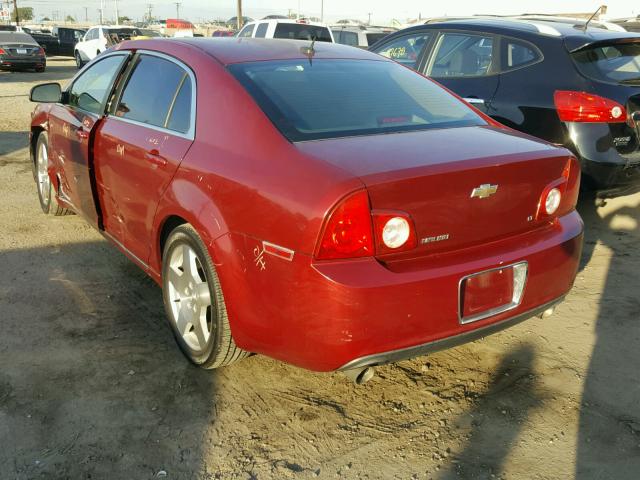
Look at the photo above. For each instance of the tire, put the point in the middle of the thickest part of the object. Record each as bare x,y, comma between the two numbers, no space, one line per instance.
48,201
79,62
194,303
40,70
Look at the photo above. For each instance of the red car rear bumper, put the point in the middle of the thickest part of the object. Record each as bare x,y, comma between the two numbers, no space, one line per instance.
337,315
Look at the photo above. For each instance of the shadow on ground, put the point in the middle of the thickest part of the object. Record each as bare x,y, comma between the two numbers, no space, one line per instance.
58,69
92,384
609,430
11,142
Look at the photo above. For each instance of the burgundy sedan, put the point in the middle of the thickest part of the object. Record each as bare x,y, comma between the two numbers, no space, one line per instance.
318,204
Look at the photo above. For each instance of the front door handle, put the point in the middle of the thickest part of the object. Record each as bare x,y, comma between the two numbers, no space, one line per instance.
474,100
82,133
154,158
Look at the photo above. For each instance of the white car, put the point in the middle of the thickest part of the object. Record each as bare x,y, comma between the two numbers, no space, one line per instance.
285,28
100,38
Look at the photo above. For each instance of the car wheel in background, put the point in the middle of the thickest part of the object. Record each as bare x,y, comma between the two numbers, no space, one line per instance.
48,201
79,62
194,302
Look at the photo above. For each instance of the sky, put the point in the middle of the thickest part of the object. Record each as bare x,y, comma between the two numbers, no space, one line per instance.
382,11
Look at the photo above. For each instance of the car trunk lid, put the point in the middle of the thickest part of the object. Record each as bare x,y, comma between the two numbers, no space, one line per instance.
461,186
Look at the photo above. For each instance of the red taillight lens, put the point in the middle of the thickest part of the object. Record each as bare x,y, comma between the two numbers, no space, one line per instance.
2,52
41,51
586,107
561,196
347,232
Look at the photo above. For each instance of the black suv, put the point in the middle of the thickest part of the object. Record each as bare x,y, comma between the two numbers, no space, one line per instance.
568,84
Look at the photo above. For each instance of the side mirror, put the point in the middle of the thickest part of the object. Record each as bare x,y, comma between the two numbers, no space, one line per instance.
46,93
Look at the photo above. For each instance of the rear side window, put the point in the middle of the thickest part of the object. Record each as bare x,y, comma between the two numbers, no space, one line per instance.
246,31
261,31
302,31
157,93
405,50
462,55
346,38
375,37
336,98
612,63
519,54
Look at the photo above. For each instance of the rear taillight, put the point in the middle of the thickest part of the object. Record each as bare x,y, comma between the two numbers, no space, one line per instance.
394,231
41,51
2,52
352,230
561,196
586,107
347,232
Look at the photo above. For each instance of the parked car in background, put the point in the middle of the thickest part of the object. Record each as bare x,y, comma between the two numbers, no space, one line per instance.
223,33
19,51
631,24
574,86
325,207
286,29
98,39
359,35
61,41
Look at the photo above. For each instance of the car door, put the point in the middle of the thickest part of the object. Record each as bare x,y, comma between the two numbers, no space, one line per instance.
71,128
88,45
466,63
140,144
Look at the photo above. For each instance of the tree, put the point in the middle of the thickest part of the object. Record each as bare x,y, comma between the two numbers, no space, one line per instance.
24,13
123,19
46,19
70,19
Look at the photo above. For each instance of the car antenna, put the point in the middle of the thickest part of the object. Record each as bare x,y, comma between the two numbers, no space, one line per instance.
601,7
309,51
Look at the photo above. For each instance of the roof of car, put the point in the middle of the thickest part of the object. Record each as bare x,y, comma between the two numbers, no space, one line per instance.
228,50
573,34
287,20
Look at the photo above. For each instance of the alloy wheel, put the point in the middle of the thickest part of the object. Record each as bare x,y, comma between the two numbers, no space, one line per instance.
42,167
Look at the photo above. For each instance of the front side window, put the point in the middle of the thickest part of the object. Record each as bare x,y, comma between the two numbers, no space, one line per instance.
302,31
405,50
462,55
519,54
336,98
157,93
90,90
91,34
261,31
612,63
246,31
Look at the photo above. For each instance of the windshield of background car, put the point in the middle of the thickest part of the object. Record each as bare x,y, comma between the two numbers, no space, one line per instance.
612,63
310,100
302,31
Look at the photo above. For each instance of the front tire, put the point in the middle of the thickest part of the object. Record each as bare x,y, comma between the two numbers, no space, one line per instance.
48,201
194,302
79,62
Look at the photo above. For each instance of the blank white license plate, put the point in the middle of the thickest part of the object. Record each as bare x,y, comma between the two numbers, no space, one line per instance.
22,51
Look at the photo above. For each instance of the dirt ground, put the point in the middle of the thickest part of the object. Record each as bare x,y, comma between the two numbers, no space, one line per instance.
93,386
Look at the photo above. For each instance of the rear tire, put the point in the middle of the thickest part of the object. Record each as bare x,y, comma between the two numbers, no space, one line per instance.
48,200
194,302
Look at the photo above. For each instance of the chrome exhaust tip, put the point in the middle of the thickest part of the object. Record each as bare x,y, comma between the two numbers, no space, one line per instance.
360,375
548,312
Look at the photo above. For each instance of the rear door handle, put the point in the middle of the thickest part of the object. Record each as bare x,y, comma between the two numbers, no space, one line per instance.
154,158
474,100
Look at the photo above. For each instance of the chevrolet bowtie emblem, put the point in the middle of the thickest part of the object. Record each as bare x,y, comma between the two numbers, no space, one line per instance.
484,191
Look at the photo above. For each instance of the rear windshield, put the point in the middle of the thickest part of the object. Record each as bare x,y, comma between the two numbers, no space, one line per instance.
310,100
301,31
612,63
17,37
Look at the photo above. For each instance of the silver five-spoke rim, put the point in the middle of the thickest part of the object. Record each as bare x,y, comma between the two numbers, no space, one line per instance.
189,297
44,183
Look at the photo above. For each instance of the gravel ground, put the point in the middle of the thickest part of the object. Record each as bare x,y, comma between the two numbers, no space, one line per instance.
93,386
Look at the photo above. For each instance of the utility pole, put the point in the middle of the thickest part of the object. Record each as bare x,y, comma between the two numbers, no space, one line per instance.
322,11
239,15
15,9
117,14
178,9
149,9
369,21
86,14
101,12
